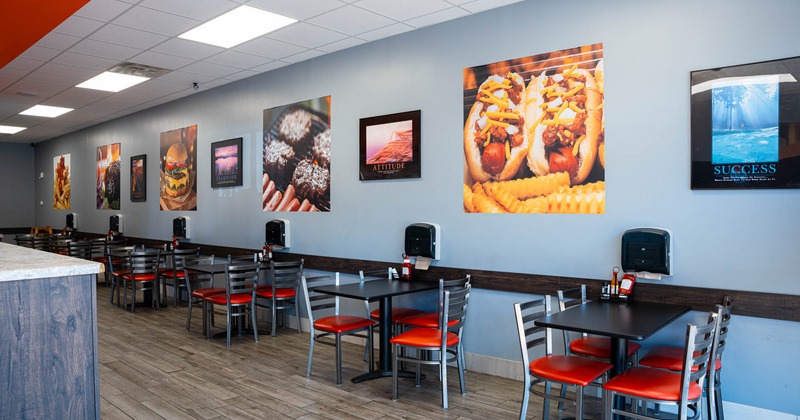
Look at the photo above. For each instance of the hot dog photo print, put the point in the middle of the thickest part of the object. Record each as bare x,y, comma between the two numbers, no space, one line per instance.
534,134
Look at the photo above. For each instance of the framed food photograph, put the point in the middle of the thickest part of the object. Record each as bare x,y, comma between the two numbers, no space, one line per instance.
390,146
139,178
226,163
746,126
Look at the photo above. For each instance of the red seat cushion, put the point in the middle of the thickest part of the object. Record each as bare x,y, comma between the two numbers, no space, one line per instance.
139,277
237,299
342,323
169,272
668,357
657,384
424,320
424,337
204,292
120,273
397,314
284,293
569,369
599,347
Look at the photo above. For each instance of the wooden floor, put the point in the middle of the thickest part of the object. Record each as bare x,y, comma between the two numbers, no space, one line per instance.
152,368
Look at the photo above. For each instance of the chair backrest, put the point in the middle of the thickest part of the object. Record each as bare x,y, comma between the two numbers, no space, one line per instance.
242,258
144,262
374,275
720,341
98,247
80,249
285,275
568,299
41,243
59,245
453,284
194,280
453,311
696,357
530,335
317,302
179,257
24,240
241,279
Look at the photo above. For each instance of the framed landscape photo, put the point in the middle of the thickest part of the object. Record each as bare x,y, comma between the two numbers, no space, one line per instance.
138,178
226,163
746,126
390,146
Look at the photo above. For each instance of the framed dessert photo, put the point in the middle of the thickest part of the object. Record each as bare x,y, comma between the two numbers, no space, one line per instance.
226,163
139,178
390,146
745,129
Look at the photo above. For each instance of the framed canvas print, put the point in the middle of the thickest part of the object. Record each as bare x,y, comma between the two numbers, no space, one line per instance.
746,126
390,146
226,163
138,178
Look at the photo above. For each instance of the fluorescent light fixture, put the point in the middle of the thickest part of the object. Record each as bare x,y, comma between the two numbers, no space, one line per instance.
45,111
239,25
112,82
10,129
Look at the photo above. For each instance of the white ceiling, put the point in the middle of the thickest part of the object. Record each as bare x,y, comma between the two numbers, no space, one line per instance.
105,33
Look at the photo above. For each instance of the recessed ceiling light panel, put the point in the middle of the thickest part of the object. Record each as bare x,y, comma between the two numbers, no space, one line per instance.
239,25
45,111
112,82
10,129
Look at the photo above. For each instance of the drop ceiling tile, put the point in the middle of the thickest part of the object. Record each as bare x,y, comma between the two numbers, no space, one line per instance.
104,50
244,74
103,10
155,21
157,59
271,66
351,20
182,77
23,63
42,90
306,35
297,9
78,97
341,45
386,31
58,41
210,69
238,59
483,5
437,17
78,26
12,73
270,48
40,53
122,35
187,49
305,55
200,10
86,61
53,70
60,83
404,10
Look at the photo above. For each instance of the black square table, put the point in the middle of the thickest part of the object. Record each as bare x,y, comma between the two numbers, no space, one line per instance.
382,291
622,321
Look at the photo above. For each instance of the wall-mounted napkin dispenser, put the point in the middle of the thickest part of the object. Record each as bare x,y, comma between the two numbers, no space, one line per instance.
423,240
180,227
647,252
276,233
115,223
72,221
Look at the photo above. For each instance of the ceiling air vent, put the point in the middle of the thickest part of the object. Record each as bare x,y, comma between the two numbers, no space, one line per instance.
142,70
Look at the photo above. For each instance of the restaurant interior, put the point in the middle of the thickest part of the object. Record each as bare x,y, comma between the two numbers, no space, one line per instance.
730,246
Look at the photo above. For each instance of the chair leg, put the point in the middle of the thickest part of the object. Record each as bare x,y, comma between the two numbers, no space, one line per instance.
228,327
252,308
443,375
189,315
338,358
579,402
718,402
523,410
460,366
546,403
274,316
310,354
371,355
394,371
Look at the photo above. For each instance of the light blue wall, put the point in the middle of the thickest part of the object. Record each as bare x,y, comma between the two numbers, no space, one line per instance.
743,240
16,185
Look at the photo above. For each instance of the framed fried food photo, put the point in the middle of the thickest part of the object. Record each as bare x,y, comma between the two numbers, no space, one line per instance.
138,178
745,130
62,187
108,186
534,134
226,163
390,146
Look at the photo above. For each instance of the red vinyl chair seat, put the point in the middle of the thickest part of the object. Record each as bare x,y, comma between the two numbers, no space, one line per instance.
397,314
423,320
424,337
139,277
282,293
668,357
205,292
569,369
121,273
169,272
598,347
656,384
338,324
236,299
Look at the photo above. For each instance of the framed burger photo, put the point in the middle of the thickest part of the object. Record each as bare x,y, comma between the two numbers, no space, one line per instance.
226,163
746,126
390,146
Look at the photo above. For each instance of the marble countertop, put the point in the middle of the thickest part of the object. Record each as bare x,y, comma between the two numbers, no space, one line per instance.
20,263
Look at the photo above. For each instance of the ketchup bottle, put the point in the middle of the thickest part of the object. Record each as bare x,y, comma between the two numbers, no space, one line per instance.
407,268
175,242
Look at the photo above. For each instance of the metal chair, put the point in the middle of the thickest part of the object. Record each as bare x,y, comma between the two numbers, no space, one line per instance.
434,346
199,287
118,262
80,249
143,276
683,389
335,325
284,278
172,276
431,319
239,297
25,240
42,243
565,370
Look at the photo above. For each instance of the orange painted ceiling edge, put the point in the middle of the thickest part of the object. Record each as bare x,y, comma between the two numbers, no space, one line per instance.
25,22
